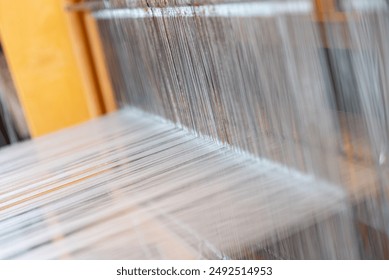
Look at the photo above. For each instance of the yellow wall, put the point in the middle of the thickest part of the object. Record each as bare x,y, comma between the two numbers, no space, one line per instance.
36,41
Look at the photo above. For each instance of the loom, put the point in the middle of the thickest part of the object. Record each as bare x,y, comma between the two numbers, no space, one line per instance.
245,130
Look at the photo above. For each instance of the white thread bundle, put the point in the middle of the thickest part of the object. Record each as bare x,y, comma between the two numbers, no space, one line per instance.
123,177
258,81
198,71
259,163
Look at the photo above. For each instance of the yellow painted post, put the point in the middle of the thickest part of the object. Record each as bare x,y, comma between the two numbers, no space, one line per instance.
326,10
82,52
36,40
